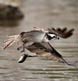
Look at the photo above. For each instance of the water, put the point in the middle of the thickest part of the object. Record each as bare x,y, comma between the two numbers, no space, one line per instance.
43,14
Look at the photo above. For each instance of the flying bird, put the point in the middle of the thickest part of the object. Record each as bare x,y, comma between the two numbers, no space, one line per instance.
38,42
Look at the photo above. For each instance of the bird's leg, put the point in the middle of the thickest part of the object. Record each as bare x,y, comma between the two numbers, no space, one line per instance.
22,58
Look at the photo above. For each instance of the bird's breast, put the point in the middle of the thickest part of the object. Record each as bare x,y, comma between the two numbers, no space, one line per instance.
39,37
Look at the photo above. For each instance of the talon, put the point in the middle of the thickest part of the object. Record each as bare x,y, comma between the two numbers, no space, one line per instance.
22,58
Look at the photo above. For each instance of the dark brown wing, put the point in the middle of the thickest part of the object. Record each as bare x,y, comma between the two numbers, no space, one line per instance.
37,48
63,33
45,49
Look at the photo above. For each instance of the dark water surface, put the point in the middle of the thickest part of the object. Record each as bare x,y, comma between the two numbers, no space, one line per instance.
43,14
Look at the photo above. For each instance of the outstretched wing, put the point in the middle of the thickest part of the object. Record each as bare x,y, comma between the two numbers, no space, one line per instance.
46,49
11,40
63,33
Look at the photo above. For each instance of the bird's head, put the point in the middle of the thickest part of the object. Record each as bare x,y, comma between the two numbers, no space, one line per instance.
52,36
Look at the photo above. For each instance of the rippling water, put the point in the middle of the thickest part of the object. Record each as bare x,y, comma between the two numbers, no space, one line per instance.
43,14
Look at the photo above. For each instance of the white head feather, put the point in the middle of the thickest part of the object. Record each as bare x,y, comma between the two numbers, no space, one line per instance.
52,35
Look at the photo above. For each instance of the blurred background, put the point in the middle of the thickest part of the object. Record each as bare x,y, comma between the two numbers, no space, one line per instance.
41,14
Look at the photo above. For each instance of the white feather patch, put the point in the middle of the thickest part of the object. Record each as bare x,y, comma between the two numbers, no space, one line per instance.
52,35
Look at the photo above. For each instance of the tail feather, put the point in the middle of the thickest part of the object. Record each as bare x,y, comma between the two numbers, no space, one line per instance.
11,41
7,44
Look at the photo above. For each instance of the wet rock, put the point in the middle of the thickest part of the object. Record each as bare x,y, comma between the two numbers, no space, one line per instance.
9,13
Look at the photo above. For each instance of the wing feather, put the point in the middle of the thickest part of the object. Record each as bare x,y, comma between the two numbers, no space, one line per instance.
46,50
42,49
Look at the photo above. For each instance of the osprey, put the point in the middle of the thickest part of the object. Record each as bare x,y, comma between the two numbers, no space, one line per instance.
37,42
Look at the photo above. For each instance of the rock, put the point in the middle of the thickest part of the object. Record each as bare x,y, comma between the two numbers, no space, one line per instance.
8,12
